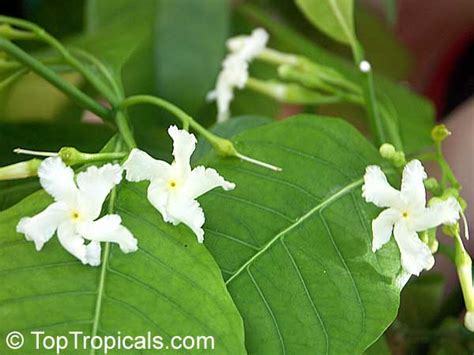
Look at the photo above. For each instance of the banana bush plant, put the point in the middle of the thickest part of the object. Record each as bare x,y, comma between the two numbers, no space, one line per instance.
274,237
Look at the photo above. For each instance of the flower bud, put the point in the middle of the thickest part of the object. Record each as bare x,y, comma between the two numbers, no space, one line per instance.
469,321
20,170
440,132
387,151
431,184
70,155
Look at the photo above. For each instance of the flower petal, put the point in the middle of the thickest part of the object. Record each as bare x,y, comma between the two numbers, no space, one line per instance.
202,180
184,144
141,166
93,251
382,227
415,254
445,212
109,229
58,180
413,189
72,242
41,228
158,196
187,211
94,186
377,190
249,47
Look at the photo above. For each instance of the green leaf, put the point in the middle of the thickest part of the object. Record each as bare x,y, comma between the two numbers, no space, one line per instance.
333,17
295,246
170,286
189,38
106,19
15,190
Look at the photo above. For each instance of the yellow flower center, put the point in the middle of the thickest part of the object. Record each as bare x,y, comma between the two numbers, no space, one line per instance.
75,216
405,214
172,184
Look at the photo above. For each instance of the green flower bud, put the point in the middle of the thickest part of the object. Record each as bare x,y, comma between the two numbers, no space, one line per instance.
439,133
431,184
387,151
399,159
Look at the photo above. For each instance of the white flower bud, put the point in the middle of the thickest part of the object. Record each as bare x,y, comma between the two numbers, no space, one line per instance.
469,321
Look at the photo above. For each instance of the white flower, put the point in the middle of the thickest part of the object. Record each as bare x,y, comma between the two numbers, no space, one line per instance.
174,187
234,73
74,212
406,214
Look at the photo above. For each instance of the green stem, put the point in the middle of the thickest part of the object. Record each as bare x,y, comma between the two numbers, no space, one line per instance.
39,68
42,35
121,120
168,106
13,77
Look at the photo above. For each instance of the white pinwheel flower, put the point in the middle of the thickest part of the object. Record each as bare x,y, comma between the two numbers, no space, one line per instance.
174,187
406,214
74,212
234,73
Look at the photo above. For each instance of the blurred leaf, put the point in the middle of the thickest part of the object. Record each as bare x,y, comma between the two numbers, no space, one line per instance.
391,11
421,299
333,17
381,45
50,137
45,102
189,38
58,17
116,28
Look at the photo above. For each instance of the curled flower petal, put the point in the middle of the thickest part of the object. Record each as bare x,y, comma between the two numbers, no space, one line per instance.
412,188
189,212
57,179
42,227
109,229
203,180
382,227
140,166
416,255
377,190
94,186
445,212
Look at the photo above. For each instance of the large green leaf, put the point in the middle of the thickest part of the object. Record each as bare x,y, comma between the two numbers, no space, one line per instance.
295,246
333,17
170,286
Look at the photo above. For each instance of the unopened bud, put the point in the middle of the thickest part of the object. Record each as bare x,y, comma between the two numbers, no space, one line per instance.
431,184
469,321
20,170
387,151
440,132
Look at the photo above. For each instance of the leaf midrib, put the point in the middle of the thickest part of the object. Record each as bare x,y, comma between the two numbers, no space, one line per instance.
341,21
300,220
